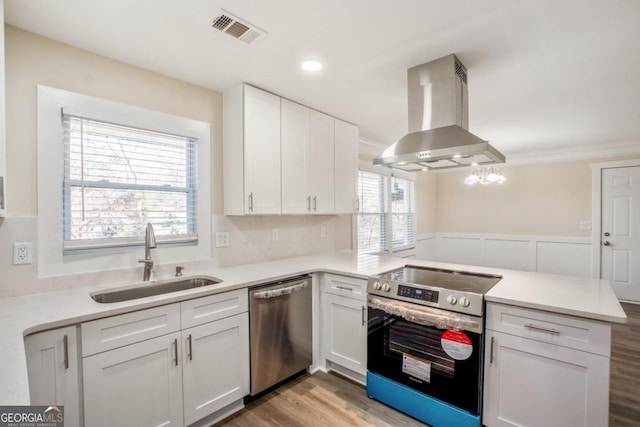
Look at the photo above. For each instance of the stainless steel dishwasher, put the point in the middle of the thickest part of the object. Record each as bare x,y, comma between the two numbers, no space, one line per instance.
280,331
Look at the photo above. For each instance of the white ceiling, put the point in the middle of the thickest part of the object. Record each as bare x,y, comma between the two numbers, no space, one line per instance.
544,75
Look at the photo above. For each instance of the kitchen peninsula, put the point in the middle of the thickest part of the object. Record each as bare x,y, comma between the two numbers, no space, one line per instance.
581,299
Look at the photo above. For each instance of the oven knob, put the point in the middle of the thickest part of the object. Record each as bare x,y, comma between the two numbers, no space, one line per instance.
386,287
377,286
451,299
464,301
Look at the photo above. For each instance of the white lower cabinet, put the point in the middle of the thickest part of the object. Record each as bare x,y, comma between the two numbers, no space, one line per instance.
545,370
136,385
177,378
52,364
216,366
344,323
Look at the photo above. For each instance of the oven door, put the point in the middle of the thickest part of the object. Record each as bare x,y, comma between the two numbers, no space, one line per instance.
435,352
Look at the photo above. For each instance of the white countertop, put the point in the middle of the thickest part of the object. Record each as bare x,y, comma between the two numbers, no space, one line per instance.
20,316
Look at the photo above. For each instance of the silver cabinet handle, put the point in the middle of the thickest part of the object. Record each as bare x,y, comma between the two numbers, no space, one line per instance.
363,315
315,203
175,344
542,329
190,348
308,203
344,288
250,202
65,344
491,352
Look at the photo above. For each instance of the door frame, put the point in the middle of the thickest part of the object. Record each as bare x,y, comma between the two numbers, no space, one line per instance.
596,208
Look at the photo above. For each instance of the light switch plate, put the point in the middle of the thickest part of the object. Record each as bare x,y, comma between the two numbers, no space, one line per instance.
222,239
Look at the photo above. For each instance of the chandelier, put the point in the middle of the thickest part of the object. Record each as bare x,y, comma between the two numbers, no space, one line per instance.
485,176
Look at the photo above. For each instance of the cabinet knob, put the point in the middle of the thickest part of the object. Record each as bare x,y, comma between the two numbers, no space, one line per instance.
606,243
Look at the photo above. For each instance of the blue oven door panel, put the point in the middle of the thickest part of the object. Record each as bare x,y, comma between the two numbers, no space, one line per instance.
420,406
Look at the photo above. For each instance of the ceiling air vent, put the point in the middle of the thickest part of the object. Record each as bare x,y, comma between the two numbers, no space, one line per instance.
236,27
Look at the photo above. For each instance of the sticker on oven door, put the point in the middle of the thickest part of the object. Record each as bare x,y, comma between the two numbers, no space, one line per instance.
456,344
416,368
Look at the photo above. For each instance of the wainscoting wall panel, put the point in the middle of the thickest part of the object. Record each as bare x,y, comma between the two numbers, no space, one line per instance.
545,254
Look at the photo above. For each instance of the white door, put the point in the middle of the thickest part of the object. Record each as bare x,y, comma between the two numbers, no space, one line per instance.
216,365
346,166
620,238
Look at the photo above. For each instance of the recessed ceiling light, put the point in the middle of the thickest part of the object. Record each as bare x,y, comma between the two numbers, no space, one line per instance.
311,65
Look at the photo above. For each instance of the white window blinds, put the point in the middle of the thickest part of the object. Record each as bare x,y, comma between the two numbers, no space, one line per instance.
402,213
386,220
119,178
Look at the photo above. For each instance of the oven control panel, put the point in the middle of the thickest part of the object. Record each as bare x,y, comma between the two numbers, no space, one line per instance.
417,293
446,299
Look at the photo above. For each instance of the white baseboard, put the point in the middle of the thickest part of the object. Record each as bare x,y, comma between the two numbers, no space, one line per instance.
544,254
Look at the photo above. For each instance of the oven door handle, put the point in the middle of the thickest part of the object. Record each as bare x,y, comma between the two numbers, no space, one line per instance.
272,293
426,315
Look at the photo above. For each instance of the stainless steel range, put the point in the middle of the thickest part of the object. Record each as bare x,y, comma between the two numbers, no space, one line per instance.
425,345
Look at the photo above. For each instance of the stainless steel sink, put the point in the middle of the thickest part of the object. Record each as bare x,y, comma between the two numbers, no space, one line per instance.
154,288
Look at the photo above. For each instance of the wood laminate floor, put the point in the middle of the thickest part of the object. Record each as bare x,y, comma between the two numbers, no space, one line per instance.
321,399
624,402
318,400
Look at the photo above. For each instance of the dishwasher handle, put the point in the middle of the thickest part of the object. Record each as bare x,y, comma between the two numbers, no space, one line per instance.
273,293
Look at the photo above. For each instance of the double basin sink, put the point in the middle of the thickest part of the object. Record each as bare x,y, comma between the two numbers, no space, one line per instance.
149,289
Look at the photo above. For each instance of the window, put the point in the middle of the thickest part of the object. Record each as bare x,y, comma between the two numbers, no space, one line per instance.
105,169
118,178
385,221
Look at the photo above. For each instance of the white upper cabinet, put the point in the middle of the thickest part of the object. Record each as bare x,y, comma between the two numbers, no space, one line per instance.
346,166
251,151
321,180
281,157
307,160
296,198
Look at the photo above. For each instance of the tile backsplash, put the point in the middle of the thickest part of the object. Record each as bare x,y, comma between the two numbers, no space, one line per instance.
251,239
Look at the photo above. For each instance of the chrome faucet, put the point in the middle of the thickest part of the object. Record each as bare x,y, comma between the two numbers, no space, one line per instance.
149,243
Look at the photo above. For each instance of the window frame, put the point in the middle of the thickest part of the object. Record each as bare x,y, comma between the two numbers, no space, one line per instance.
389,174
52,260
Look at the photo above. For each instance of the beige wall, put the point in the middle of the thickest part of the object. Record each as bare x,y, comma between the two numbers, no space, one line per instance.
33,60
542,199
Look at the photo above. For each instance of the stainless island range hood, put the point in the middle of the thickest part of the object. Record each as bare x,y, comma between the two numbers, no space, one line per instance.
438,122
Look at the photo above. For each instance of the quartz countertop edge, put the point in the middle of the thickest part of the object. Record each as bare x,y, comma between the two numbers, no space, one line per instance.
24,315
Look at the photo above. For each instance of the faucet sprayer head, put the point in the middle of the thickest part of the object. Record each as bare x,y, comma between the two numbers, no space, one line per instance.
150,237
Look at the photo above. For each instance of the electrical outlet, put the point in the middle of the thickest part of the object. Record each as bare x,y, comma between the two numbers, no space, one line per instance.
585,225
323,231
22,253
275,234
222,239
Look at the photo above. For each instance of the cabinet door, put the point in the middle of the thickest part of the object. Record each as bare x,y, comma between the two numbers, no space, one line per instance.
216,365
345,332
136,385
3,146
295,158
536,384
261,151
52,364
346,166
320,164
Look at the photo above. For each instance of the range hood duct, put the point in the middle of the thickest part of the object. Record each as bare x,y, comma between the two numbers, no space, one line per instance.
438,121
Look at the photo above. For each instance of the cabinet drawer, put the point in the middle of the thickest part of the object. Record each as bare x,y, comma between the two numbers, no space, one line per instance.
117,331
202,310
345,286
567,331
